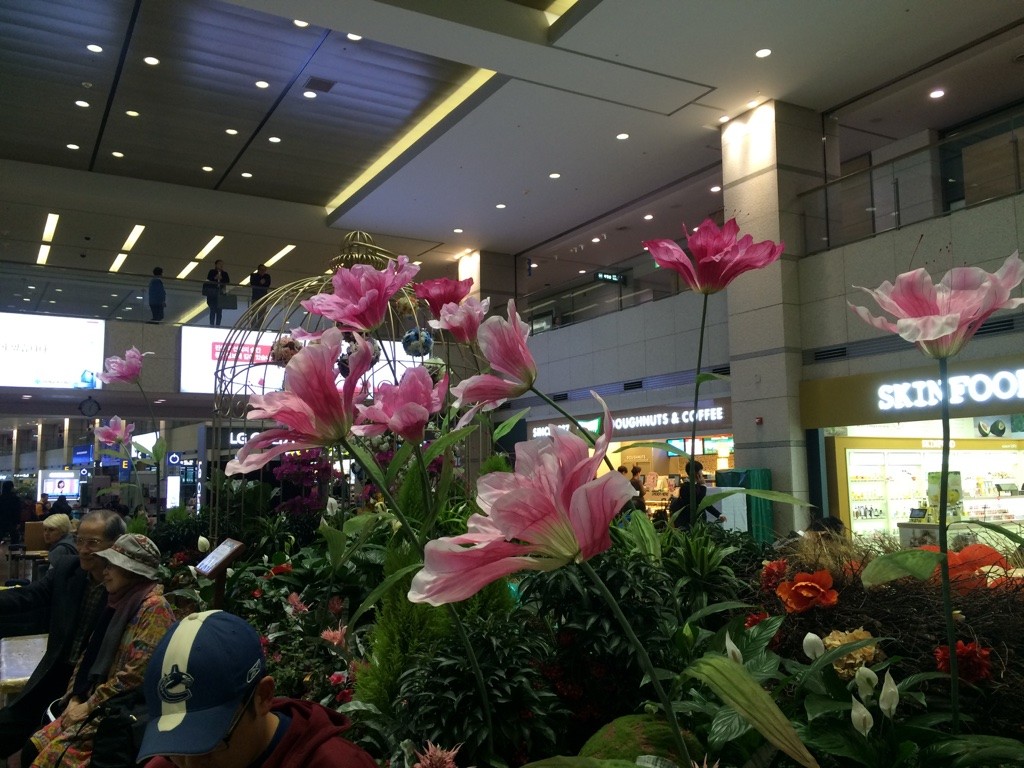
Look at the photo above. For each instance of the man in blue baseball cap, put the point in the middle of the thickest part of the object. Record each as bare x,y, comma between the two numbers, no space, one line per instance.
211,705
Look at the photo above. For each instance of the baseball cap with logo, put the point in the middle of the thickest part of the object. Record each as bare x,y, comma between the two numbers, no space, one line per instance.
202,672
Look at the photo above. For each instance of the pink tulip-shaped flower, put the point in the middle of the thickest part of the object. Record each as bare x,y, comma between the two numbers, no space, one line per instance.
942,318
117,432
503,343
463,320
551,511
125,370
362,294
311,410
403,408
443,291
718,257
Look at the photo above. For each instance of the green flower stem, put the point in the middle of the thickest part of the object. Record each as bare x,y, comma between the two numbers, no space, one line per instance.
158,460
696,403
947,600
586,433
645,660
427,496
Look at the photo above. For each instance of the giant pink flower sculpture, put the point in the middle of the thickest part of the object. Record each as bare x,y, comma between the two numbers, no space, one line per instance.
125,370
503,343
718,256
311,410
362,294
116,432
551,511
441,291
403,408
941,318
463,320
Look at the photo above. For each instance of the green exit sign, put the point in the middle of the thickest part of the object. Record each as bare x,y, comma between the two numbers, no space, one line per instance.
610,277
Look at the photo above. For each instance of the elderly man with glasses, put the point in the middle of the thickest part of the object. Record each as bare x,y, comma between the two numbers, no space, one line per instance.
73,594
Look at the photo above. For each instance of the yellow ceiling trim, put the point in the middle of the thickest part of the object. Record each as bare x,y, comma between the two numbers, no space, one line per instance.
557,9
414,134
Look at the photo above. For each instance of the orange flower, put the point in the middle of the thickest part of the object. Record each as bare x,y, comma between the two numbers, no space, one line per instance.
969,568
806,591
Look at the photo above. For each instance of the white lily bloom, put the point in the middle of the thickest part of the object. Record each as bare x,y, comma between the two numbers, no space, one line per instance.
862,719
813,646
890,697
866,682
203,545
732,651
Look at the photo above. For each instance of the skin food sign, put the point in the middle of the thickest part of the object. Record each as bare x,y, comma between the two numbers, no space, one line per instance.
975,387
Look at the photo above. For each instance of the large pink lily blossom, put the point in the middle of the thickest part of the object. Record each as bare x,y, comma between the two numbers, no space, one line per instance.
362,294
718,256
116,432
503,343
312,412
125,370
941,318
403,408
441,291
550,512
463,320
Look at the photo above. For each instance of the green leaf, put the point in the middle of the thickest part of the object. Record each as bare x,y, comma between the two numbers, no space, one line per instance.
776,496
506,426
580,762
703,378
817,705
975,751
442,443
919,563
379,591
734,685
644,536
1016,538
661,446
727,726
339,551
399,460
727,605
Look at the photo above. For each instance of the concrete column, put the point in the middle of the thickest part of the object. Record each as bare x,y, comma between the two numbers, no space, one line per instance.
769,156
67,442
40,450
15,452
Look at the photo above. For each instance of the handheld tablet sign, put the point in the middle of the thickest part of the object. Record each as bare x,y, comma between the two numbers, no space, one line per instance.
217,562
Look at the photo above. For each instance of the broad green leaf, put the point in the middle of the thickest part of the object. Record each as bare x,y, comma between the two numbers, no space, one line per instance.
437,447
398,461
160,450
1016,538
734,685
776,496
645,536
661,446
727,726
919,563
506,426
379,591
339,551
368,463
727,605
817,705
976,751
580,762
703,378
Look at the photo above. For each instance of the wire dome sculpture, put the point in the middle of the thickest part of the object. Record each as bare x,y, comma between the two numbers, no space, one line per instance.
258,347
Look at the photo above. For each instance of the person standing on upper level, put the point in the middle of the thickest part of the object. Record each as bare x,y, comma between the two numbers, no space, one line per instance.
157,295
219,278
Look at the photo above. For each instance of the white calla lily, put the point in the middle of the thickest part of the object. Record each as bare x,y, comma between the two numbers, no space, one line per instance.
203,544
813,646
862,719
866,682
732,651
890,697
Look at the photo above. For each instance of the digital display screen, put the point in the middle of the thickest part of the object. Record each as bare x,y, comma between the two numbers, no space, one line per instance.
50,352
56,483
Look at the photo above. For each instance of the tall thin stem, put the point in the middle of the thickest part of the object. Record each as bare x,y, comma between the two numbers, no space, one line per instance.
586,433
692,474
947,600
645,661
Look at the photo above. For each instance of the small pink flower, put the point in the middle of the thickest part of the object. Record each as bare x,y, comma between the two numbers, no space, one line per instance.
338,678
443,291
435,757
943,317
125,370
718,256
117,432
335,637
404,408
362,294
296,604
335,605
463,320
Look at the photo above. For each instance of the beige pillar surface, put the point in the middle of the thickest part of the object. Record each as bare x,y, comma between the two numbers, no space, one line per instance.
769,156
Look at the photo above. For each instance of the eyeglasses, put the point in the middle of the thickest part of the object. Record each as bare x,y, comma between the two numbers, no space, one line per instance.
90,543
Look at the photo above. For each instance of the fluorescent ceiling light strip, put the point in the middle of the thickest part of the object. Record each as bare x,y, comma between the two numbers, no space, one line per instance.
188,268
279,255
44,254
133,238
414,134
245,281
51,227
214,242
118,262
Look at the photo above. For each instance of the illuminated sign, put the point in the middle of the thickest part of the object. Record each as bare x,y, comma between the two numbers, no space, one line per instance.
591,425
610,277
658,419
975,387
643,422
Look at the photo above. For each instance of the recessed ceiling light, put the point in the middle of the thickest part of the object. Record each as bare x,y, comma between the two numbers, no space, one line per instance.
622,136
104,306
354,37
113,295
117,154
59,290
309,94
595,239
500,205
764,53
300,23
417,263
583,271
554,175
24,299
73,146
716,188
31,287
274,139
648,216
534,265
94,48
262,84
208,168
695,229
132,113
83,104
752,103
246,175
51,301
230,131
26,397
457,230
723,119
938,93
152,60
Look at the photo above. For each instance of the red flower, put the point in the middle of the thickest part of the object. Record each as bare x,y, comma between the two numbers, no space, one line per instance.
277,570
257,593
753,619
806,591
335,605
968,568
972,661
772,574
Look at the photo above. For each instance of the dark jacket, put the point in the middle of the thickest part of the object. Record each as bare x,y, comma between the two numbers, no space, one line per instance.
10,513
